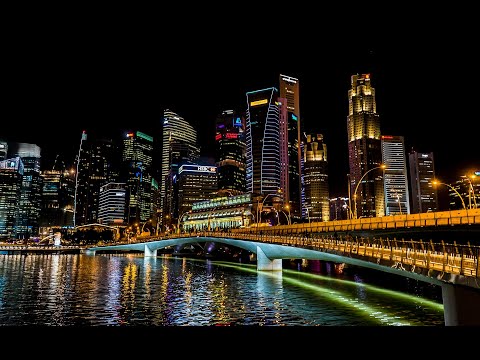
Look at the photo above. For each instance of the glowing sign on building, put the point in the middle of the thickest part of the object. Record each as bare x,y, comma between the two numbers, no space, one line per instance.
294,117
232,136
259,102
197,168
218,137
237,122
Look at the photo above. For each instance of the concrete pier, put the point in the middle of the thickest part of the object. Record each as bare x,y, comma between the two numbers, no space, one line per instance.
149,252
461,305
264,263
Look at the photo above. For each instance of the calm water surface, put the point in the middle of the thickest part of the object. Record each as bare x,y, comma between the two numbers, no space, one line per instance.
119,290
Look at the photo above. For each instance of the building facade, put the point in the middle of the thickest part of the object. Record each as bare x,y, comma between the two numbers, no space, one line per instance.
195,183
317,196
179,147
112,204
339,208
422,174
290,91
262,142
3,150
11,175
364,149
230,152
58,188
395,175
467,189
137,160
31,194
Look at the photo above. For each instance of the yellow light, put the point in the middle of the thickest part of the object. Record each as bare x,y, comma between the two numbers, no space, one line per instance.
259,102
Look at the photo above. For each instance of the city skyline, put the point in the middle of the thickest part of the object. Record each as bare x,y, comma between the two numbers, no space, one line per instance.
407,89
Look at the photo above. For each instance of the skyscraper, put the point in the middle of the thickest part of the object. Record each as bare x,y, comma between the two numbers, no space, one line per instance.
317,200
395,175
111,209
57,197
422,173
11,174
230,152
99,162
262,142
195,183
179,147
290,90
364,148
31,194
3,150
137,159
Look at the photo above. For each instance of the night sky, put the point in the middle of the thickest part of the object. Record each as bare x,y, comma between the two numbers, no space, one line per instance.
56,87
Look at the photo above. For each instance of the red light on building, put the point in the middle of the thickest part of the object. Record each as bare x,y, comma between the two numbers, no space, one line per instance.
218,137
129,134
232,136
387,137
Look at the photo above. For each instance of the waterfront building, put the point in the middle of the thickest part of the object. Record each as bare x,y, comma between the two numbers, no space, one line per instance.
11,175
364,148
395,175
112,204
422,174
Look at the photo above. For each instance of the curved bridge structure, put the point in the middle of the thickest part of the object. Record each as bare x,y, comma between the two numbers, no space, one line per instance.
461,293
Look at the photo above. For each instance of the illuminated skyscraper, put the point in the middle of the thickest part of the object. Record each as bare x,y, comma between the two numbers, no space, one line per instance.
137,160
262,142
111,209
195,183
422,173
31,195
11,174
395,175
179,147
317,200
364,148
99,163
58,188
290,91
230,152
3,150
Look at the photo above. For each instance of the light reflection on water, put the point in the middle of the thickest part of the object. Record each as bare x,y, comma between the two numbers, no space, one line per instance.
66,290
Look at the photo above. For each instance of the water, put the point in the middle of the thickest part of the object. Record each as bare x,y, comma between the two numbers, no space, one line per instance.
130,290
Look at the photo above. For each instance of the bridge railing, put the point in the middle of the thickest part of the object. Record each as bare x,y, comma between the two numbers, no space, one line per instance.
450,258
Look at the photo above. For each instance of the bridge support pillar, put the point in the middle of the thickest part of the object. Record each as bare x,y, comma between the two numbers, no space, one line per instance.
90,252
264,263
149,252
460,305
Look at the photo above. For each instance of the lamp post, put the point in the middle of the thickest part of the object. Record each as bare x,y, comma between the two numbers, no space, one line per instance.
145,223
359,182
308,215
279,191
180,219
436,182
289,215
471,189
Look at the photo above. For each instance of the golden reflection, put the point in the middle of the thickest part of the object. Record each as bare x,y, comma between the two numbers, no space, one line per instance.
128,284
217,289
148,271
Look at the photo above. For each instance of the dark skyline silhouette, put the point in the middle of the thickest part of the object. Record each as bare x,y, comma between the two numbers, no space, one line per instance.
423,92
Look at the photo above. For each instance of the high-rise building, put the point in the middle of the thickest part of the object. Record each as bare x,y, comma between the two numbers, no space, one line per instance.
137,159
364,148
395,175
112,204
230,152
57,197
317,200
3,150
263,142
31,195
468,189
195,183
290,91
99,163
11,174
422,174
179,147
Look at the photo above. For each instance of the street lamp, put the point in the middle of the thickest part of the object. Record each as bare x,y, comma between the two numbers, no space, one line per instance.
180,219
436,182
471,189
308,215
289,215
359,182
149,220
279,191
399,204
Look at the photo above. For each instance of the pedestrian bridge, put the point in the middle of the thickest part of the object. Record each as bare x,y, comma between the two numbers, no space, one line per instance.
454,267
